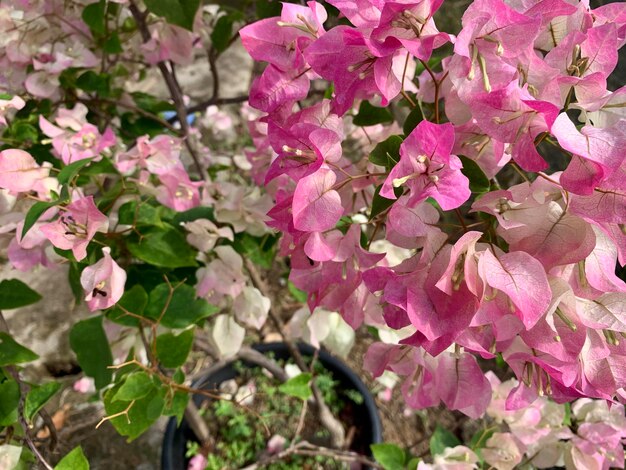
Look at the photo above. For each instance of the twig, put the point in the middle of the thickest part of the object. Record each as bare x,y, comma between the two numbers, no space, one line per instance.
326,417
47,420
172,86
212,56
117,415
306,449
20,407
197,424
296,434
136,109
211,101
251,355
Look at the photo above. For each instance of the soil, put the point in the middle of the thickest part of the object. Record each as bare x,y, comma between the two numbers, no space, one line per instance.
281,416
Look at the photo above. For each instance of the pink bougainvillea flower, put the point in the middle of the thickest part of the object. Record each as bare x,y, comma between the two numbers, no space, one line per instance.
603,147
178,192
512,115
522,278
463,373
5,105
305,141
197,462
276,88
103,282
316,205
19,172
222,276
364,14
76,226
169,42
430,380
84,385
73,143
158,155
28,252
472,142
344,56
411,24
280,41
428,169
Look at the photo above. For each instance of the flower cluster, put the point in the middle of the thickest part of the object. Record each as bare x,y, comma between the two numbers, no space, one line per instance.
528,270
586,434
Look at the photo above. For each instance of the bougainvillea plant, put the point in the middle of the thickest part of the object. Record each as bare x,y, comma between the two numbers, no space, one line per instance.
460,195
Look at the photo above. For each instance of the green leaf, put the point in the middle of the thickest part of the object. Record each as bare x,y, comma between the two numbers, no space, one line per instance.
137,385
298,386
267,9
150,103
75,460
38,396
412,120
387,152
478,181
24,132
98,168
92,349
370,115
381,204
441,440
11,352
200,212
480,438
172,350
94,82
182,309
260,250
14,294
178,12
68,173
93,16
139,414
73,277
139,213
567,419
296,293
134,301
390,456
222,33
113,45
9,401
165,247
413,463
36,211
176,405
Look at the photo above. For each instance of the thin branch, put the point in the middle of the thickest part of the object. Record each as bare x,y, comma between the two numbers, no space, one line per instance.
306,449
168,125
326,417
172,86
251,355
196,108
212,56
300,426
20,407
197,423
47,420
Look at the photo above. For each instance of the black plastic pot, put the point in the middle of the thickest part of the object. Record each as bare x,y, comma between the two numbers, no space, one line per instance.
365,415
